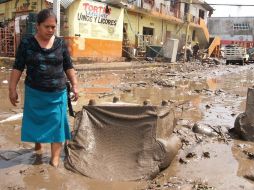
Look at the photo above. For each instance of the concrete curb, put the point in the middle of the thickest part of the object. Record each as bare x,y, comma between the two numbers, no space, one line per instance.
103,66
119,66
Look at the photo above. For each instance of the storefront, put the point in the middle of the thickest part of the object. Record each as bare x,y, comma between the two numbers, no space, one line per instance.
95,29
17,18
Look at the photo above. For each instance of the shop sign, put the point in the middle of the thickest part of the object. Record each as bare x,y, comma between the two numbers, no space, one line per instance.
99,21
4,1
21,5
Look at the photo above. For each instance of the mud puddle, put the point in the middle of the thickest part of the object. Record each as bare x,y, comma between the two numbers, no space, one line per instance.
210,95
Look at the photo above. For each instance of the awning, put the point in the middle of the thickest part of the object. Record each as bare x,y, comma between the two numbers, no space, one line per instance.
64,3
115,2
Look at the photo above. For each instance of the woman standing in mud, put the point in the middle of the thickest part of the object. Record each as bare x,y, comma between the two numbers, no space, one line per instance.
47,62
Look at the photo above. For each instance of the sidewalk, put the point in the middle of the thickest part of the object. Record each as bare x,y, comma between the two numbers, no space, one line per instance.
6,62
101,66
118,66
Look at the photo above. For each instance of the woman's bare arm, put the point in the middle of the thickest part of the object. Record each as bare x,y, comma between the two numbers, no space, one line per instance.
14,79
74,82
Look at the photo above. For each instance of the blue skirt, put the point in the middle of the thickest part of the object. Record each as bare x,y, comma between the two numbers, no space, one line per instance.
45,117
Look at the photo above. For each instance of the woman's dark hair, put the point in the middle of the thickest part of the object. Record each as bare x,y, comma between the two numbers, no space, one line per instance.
44,15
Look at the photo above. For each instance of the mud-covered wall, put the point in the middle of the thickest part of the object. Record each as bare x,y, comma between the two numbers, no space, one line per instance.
224,27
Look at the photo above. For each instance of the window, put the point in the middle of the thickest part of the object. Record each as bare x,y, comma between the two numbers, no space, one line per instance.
151,2
201,14
173,5
147,31
148,35
241,26
186,8
168,34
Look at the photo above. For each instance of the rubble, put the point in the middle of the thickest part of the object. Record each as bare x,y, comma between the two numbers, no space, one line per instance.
204,129
199,150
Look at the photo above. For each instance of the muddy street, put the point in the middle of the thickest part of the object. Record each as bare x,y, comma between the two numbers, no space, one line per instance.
202,95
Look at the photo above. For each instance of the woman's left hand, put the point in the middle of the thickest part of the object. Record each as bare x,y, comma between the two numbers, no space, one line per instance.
74,90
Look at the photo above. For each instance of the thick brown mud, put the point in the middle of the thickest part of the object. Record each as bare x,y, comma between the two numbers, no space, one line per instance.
210,94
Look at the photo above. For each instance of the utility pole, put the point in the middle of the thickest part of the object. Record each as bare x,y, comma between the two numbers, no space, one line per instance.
56,10
187,29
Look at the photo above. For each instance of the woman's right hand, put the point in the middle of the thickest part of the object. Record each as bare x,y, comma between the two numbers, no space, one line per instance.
13,96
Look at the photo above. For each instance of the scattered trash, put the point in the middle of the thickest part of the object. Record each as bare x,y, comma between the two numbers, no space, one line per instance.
249,177
208,106
199,185
12,118
165,83
106,95
219,92
233,114
11,154
182,161
206,154
249,154
190,155
185,123
242,146
204,129
5,81
16,127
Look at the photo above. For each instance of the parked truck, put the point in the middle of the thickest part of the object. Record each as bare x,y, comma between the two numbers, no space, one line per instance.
235,54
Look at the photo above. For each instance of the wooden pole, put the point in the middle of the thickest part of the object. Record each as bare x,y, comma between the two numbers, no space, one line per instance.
187,30
56,10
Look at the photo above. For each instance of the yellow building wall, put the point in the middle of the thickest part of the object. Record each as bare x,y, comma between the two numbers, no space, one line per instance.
2,8
6,10
10,9
147,21
172,28
133,26
71,13
23,5
2,11
135,23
